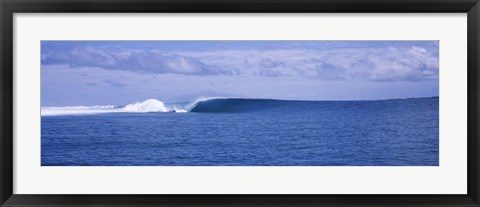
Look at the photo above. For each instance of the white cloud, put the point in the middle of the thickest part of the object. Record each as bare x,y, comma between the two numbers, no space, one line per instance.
130,60
372,64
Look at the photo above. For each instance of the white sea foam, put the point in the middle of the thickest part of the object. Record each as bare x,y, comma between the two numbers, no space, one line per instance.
77,110
150,105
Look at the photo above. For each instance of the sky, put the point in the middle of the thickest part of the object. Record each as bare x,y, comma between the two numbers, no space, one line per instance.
88,73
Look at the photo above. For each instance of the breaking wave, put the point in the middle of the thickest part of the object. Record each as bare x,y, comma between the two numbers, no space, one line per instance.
201,105
147,106
211,104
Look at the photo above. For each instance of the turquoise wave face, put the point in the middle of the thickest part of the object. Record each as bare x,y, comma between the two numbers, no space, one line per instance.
239,105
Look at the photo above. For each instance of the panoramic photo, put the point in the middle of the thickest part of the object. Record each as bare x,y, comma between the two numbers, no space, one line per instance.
240,103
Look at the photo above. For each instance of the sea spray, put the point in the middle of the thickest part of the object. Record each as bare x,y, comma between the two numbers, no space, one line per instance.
150,105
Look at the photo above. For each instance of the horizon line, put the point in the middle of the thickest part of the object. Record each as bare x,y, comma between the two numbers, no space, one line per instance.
253,98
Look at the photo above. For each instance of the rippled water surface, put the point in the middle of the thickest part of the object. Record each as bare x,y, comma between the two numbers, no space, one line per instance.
247,132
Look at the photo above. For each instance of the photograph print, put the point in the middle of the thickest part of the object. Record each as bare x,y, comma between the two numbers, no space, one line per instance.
240,103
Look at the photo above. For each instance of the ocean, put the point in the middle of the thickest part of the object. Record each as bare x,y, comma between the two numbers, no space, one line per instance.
244,132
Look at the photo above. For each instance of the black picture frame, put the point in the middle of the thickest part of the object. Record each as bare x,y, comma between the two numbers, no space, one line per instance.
9,7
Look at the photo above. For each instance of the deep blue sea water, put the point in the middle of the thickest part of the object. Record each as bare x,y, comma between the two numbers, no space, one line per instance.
251,132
